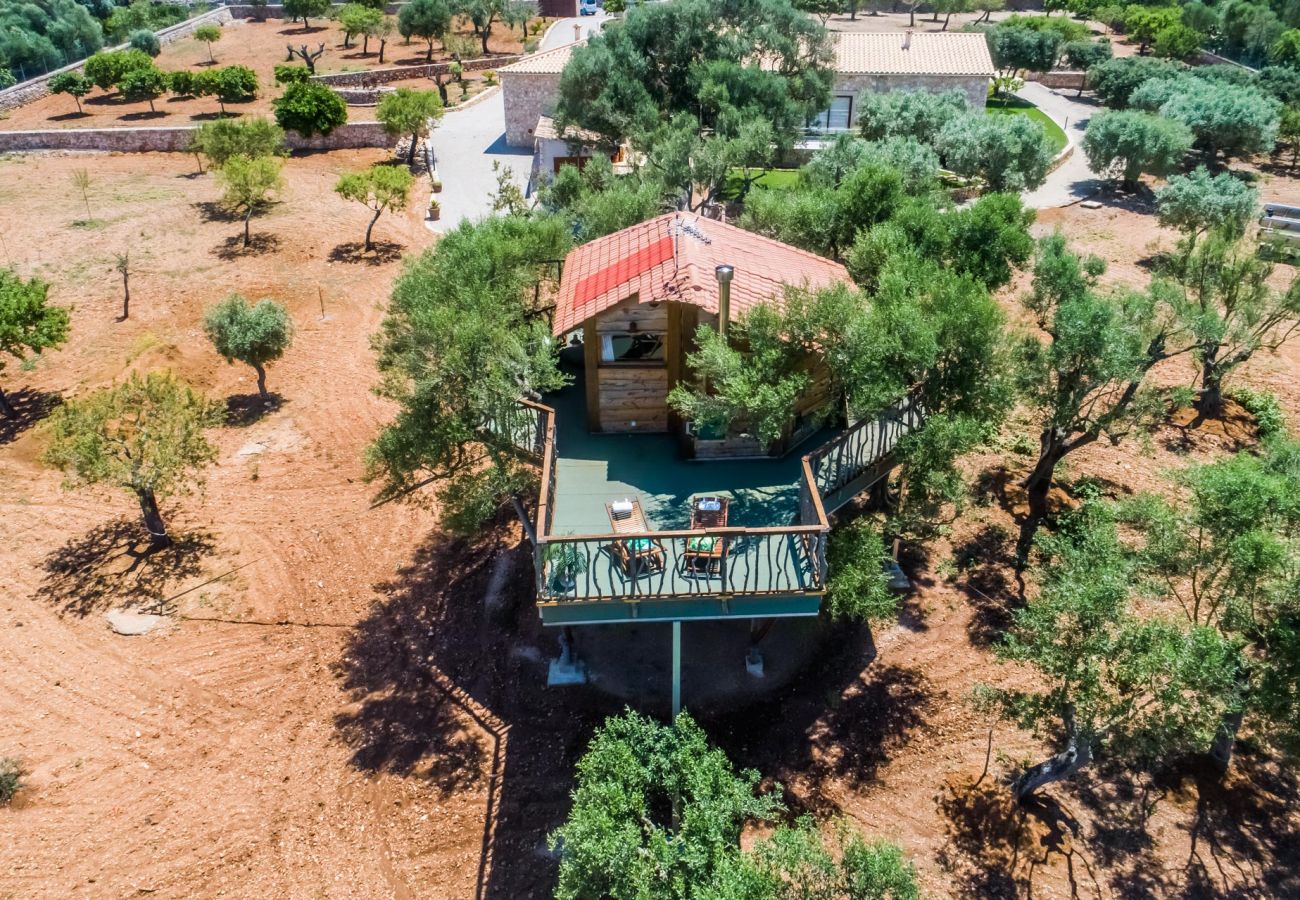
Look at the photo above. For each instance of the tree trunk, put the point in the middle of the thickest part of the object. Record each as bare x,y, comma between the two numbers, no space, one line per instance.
78,99
6,407
410,154
484,36
261,381
1076,755
247,217
212,59
153,520
370,227
365,44
126,296
1211,399
946,20
1037,487
428,54
1226,741
382,43
442,90
911,17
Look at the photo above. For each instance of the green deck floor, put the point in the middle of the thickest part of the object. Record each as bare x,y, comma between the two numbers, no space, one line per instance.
597,468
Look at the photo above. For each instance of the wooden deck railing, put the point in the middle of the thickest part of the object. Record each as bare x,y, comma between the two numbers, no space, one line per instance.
768,561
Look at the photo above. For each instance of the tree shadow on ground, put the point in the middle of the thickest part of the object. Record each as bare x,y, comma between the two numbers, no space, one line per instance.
996,846
447,688
31,407
213,211
113,99
114,565
259,244
986,562
243,410
144,116
356,252
837,722
68,117
213,116
302,29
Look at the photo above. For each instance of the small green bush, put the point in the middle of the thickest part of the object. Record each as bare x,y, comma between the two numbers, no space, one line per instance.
11,778
145,41
1270,421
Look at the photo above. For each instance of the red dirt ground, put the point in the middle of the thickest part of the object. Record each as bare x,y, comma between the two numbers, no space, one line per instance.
258,45
336,711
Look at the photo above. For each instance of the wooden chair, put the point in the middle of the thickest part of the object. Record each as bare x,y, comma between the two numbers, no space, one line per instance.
636,555
705,553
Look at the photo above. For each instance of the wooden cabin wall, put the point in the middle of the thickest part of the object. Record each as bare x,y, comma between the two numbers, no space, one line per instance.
630,397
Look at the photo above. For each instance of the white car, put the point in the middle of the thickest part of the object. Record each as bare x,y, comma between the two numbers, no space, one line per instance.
588,7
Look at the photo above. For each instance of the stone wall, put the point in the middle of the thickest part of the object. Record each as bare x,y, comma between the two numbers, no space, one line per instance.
975,87
35,88
1059,79
174,140
375,77
527,97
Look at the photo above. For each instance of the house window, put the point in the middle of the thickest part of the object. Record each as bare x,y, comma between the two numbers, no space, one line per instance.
632,348
836,117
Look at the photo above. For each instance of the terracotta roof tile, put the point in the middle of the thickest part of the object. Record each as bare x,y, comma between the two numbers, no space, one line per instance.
548,62
672,258
928,53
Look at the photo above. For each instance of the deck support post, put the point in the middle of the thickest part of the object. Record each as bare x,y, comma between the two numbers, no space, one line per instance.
677,668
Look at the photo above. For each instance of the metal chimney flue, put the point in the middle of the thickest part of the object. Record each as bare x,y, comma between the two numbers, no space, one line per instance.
907,39
724,274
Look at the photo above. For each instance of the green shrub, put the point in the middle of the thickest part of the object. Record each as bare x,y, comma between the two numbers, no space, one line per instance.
145,41
1270,421
11,778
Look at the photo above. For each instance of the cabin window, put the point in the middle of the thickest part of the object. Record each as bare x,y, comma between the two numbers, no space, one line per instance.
632,348
835,117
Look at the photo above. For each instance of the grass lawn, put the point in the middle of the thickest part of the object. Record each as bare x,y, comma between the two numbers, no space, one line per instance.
1014,106
776,179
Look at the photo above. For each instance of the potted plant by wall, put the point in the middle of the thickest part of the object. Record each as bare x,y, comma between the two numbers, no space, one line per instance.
435,209
490,77
565,565
436,181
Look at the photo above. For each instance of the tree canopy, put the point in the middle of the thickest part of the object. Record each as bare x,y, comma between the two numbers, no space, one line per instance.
461,343
1126,144
249,184
724,63
406,111
428,20
378,188
309,108
658,811
224,138
253,334
1227,119
28,323
145,434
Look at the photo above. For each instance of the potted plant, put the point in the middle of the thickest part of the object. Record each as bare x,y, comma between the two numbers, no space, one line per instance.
436,181
490,77
565,563
435,209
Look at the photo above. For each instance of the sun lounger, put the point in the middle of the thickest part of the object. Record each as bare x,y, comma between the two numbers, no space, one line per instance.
704,553
636,554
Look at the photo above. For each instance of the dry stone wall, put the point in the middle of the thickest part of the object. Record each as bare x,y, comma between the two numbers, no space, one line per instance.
349,136
374,77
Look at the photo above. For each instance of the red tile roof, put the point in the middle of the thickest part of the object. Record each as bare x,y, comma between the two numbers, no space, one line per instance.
672,258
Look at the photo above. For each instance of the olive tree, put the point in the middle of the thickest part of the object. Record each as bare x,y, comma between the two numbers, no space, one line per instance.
1228,120
378,188
223,139
1084,372
28,323
407,111
428,20
303,9
249,184
1115,80
255,334
1138,686
920,115
1196,203
145,434
107,67
1009,153
1231,310
463,339
1126,144
1227,558
669,809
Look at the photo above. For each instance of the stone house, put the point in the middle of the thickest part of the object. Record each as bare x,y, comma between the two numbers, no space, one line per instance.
871,62
864,62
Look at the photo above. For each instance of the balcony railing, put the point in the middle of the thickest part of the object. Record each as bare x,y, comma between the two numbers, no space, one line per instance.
781,560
